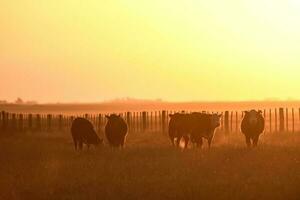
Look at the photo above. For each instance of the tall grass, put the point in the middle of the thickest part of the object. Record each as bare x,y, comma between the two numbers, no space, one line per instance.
45,166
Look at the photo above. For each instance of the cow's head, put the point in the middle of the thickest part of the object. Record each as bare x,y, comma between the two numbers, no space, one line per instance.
98,141
215,120
94,139
113,116
252,116
176,115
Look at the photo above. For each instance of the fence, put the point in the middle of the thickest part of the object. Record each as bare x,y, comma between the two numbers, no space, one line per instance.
276,120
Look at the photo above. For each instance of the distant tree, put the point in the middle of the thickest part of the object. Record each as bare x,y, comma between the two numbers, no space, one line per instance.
3,102
19,101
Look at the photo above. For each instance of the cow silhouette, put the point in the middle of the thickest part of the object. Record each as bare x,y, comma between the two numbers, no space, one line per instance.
194,127
203,126
83,132
253,124
116,130
179,128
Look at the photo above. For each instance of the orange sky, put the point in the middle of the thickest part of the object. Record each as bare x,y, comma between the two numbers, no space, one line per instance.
87,51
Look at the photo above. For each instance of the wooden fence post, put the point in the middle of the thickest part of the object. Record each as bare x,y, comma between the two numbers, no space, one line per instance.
148,121
281,119
99,123
155,120
133,122
140,121
287,119
163,121
293,120
71,121
222,122
151,121
128,115
1,122
49,122
160,125
13,122
144,120
30,122
7,120
270,120
60,122
264,113
137,121
231,121
226,122
21,122
38,122
299,118
276,120
236,122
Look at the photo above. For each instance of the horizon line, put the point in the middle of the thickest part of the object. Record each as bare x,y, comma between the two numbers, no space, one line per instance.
143,101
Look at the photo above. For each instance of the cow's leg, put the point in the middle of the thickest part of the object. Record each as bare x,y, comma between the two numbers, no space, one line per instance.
172,141
80,145
200,142
248,141
186,141
122,142
75,143
209,142
255,141
178,141
88,146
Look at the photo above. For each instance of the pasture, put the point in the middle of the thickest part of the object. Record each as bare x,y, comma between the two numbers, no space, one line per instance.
45,166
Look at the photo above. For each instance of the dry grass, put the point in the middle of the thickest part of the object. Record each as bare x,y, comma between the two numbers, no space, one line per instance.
45,166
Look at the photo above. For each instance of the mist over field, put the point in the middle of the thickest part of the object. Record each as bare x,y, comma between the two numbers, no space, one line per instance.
135,105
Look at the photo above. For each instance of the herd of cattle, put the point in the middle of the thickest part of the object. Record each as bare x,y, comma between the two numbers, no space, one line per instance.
189,127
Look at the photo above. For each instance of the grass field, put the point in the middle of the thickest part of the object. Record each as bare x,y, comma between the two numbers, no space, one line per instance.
45,166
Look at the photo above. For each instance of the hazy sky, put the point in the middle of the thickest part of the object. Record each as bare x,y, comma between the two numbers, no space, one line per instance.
84,50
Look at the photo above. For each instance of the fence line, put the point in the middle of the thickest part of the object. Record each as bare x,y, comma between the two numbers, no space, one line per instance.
276,120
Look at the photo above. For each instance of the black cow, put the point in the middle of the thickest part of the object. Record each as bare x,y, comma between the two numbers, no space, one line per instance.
116,130
203,126
179,128
253,124
83,133
194,126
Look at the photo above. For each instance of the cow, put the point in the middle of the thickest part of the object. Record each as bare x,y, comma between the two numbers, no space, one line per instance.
194,127
116,130
179,128
253,124
83,132
203,126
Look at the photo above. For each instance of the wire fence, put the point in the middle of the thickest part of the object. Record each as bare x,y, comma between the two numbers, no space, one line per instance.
276,120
